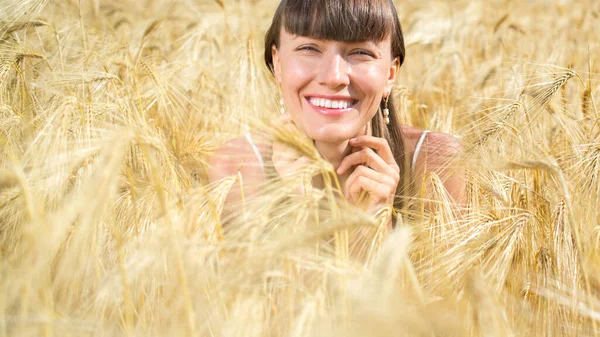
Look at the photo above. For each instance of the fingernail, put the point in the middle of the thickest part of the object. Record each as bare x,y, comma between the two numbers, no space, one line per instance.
353,139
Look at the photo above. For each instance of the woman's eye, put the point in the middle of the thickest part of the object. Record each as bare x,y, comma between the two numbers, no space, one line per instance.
307,48
363,53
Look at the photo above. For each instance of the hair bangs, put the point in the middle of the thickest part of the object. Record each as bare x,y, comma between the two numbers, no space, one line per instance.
340,20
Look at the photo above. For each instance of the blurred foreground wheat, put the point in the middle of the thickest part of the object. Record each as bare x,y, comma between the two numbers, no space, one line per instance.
109,227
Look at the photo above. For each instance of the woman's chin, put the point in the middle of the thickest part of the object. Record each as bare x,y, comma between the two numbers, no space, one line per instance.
332,132
331,136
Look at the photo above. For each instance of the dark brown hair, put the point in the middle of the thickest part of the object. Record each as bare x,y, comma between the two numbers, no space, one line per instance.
348,21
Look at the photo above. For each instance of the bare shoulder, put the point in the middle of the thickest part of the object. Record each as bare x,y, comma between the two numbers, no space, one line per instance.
242,154
410,132
440,153
442,146
435,145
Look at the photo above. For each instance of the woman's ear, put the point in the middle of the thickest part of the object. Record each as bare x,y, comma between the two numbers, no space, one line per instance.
394,68
276,64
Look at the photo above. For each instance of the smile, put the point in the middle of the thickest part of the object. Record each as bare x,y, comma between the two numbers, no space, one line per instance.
333,107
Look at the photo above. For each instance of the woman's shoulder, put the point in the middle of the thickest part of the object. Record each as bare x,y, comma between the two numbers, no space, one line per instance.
432,143
438,153
245,154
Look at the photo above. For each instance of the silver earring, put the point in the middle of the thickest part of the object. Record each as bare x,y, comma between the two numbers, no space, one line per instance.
386,111
281,106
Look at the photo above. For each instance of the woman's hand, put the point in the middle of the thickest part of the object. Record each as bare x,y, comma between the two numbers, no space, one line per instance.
375,172
287,160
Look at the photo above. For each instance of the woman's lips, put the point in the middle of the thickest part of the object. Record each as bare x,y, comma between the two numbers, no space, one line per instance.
347,105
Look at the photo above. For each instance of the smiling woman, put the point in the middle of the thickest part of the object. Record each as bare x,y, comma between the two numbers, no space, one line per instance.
336,63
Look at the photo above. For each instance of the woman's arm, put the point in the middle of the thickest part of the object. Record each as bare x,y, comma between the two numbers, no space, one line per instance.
238,158
246,159
441,154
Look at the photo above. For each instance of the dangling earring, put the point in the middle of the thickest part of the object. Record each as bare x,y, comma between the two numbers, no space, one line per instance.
281,106
386,111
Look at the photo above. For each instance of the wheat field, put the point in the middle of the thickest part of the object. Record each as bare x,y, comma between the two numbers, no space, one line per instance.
110,111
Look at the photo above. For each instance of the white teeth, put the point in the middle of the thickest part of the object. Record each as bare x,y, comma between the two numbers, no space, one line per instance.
325,103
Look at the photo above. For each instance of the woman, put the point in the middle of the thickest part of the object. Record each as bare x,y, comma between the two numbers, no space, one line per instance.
335,62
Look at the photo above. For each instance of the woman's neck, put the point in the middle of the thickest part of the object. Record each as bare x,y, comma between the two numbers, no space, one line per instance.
333,152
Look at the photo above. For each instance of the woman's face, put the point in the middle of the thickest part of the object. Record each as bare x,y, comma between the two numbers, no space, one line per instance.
333,89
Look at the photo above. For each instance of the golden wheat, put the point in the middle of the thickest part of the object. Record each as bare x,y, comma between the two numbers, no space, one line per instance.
110,226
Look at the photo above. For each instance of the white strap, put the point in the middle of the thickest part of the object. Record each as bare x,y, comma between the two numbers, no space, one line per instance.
417,149
257,152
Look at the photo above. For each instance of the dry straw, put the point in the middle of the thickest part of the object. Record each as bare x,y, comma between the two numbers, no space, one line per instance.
110,226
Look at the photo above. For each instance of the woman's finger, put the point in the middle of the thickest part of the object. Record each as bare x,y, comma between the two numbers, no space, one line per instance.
285,118
380,145
368,172
363,171
284,153
378,192
294,167
368,157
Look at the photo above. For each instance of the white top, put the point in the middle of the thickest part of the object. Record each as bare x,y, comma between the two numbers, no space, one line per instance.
412,166
257,153
417,149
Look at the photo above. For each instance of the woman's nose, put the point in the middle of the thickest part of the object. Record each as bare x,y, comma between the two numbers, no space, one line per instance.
334,72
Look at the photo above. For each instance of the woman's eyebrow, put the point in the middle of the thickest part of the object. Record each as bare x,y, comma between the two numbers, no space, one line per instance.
304,37
368,42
